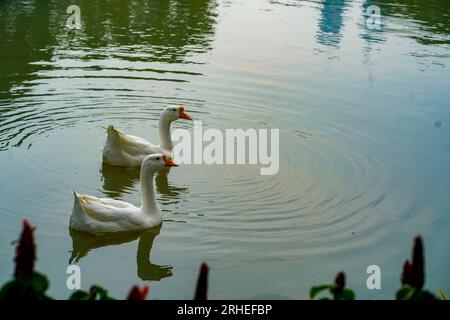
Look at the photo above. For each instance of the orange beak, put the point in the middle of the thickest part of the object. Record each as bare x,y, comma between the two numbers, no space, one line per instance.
168,162
184,115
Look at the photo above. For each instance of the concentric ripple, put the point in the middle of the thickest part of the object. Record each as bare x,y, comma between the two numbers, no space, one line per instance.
356,134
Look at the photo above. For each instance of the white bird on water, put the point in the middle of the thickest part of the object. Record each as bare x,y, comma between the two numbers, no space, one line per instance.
126,150
105,215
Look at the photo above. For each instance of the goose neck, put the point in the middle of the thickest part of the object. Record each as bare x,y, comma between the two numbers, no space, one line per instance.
148,196
164,134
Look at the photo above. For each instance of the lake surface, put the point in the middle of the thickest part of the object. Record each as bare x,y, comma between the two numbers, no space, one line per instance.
364,119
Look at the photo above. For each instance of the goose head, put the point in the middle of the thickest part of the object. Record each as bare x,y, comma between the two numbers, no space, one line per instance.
174,112
155,162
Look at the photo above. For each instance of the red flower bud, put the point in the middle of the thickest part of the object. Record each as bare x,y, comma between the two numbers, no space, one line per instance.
138,294
405,278
201,292
418,264
339,281
25,252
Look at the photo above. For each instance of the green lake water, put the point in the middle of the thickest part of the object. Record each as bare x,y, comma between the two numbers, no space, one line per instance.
364,119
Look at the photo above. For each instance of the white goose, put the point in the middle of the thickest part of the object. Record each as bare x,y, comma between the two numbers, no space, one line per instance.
122,149
105,215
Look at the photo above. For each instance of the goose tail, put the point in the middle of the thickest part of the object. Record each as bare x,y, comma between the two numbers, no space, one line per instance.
77,208
111,131
113,135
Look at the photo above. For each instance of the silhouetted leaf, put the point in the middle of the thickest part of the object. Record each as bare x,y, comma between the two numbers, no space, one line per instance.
20,290
347,294
423,295
79,295
317,289
405,293
103,293
7,288
39,282
443,296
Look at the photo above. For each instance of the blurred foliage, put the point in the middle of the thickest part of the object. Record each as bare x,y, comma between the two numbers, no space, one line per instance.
443,296
28,284
95,293
413,276
337,290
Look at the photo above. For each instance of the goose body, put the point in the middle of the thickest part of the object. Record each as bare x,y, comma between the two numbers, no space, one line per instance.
106,215
123,149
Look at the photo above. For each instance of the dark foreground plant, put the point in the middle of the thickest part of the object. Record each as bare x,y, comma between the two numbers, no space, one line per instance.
413,276
99,293
337,290
201,292
412,279
28,284
95,293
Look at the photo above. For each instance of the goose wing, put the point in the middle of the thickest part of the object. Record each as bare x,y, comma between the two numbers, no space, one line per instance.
134,145
108,210
130,144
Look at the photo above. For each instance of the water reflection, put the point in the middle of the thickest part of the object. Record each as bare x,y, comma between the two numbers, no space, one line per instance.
83,243
376,34
118,181
430,18
48,69
145,269
426,22
163,187
25,37
331,22
170,30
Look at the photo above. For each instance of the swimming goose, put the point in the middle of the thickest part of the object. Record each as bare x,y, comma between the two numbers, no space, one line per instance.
123,149
104,215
